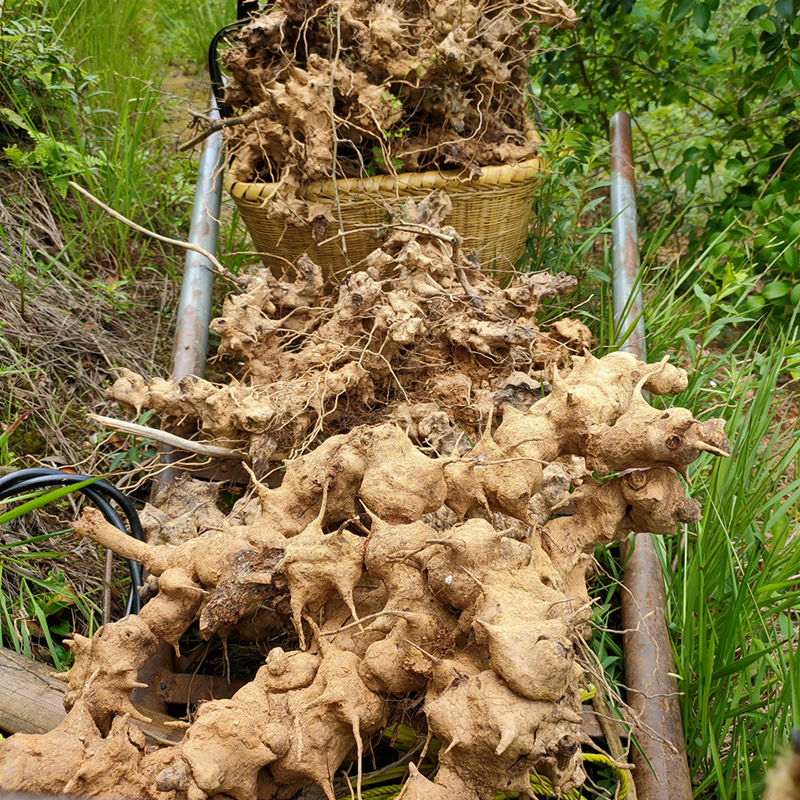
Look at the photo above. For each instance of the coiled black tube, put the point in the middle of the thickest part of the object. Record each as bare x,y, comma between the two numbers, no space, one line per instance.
100,493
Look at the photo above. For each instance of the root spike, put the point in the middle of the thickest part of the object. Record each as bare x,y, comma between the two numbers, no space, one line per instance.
355,722
710,448
456,741
506,740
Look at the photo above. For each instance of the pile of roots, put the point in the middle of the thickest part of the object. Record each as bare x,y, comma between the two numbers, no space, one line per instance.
409,573
420,336
365,88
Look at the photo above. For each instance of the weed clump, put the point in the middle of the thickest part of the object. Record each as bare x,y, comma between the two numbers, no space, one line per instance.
455,575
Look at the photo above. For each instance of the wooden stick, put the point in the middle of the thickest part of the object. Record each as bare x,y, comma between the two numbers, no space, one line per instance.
107,577
467,287
215,125
169,439
609,726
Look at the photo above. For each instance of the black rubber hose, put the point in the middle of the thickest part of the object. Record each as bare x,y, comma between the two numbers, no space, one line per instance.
63,478
244,8
214,69
56,478
134,603
99,493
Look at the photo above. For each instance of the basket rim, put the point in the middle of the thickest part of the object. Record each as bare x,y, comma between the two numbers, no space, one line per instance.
430,180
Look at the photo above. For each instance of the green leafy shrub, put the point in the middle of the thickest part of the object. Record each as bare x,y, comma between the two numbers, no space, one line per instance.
40,83
37,74
713,89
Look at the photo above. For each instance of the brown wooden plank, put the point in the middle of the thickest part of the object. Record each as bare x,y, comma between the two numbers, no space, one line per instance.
31,700
591,725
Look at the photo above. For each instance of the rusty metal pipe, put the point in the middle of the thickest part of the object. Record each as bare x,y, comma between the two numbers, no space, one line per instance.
627,291
661,769
194,308
190,348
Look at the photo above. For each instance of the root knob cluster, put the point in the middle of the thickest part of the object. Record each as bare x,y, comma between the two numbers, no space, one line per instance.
402,569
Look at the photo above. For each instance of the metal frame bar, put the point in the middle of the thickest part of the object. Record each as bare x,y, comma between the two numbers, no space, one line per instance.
194,307
191,346
661,768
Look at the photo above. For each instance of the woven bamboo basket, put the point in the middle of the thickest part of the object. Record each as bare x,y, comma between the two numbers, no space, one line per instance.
491,212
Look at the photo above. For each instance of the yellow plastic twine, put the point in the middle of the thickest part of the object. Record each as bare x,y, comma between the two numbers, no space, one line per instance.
540,784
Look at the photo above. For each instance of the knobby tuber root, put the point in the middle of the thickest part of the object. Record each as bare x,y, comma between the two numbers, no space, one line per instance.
454,575
363,88
400,341
484,623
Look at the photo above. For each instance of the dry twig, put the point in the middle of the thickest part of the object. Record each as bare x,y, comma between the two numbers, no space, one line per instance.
169,439
210,257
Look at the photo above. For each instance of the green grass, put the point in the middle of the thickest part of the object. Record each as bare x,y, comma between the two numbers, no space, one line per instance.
735,576
39,608
105,119
139,175
189,24
34,608
731,600
113,136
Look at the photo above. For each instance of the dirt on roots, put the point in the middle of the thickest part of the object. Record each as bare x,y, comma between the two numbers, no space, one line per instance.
368,88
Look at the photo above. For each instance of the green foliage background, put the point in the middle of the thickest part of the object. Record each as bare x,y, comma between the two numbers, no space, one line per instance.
713,91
